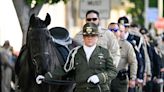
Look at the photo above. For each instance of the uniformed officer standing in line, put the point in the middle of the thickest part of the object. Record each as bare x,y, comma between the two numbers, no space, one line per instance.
91,65
135,30
142,33
136,42
107,39
148,48
128,57
148,72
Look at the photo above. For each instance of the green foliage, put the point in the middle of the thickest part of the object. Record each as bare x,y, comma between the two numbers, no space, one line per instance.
54,1
153,3
138,11
28,2
45,1
65,1
40,1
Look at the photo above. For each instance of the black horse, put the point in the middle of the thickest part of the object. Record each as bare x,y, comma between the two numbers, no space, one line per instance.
37,57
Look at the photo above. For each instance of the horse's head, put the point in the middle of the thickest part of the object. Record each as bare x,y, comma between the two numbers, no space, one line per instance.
38,38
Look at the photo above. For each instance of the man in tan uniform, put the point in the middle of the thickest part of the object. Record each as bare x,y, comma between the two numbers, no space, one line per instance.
128,57
106,39
136,42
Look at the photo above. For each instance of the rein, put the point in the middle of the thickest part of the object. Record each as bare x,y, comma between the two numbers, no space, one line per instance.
58,82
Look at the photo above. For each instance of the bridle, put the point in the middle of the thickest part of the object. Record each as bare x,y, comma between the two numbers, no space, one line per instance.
34,56
35,62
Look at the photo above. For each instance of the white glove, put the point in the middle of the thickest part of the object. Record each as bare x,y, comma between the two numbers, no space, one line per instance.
159,81
94,79
39,79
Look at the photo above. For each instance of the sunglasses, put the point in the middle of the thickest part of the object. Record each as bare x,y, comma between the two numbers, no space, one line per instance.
114,30
89,19
126,25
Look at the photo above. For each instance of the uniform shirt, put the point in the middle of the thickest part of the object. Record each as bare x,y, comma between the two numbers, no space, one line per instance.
99,63
128,57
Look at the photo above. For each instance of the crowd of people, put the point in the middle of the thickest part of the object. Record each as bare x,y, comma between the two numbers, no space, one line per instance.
137,55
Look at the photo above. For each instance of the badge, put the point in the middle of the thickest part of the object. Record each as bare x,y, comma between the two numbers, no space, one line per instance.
101,56
122,22
88,30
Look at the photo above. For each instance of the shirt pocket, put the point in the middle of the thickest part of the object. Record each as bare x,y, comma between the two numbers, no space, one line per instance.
100,63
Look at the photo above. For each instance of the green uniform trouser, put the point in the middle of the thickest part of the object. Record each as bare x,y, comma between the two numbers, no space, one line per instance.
118,85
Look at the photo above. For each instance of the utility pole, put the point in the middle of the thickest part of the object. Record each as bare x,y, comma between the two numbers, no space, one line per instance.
146,7
160,8
160,15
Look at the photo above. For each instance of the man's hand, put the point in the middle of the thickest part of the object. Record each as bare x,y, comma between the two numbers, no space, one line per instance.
93,79
162,70
139,82
159,80
132,83
39,79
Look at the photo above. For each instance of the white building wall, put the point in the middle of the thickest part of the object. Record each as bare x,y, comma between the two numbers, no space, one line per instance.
9,25
57,13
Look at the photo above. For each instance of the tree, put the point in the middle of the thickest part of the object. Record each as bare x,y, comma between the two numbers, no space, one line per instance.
138,11
25,8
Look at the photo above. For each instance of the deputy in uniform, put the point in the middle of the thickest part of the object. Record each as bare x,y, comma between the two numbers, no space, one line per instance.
136,42
128,58
91,65
106,38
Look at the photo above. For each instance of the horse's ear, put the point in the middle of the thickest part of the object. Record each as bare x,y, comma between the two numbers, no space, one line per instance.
32,18
47,20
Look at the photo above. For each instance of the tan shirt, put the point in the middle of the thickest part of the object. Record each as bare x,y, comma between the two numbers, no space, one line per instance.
128,57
